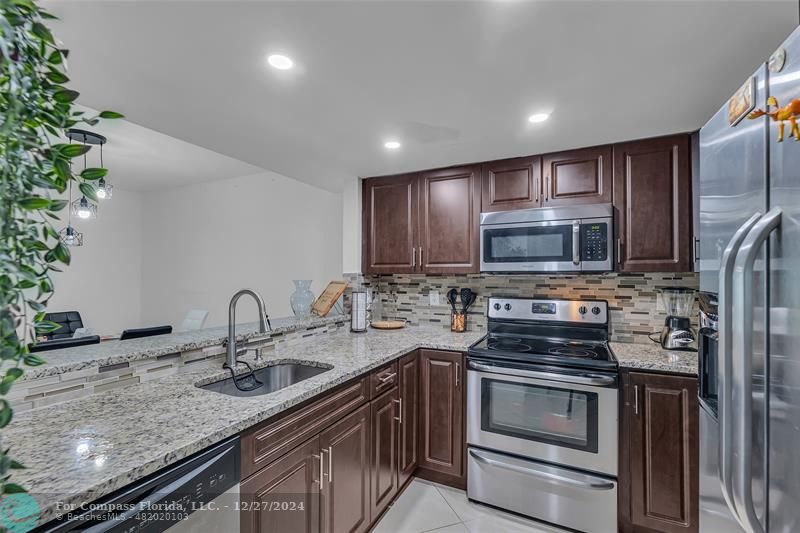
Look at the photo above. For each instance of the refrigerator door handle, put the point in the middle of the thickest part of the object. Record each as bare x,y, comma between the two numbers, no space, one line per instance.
742,368
724,349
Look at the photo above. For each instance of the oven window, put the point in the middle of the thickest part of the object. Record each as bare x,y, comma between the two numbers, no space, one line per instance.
564,417
527,244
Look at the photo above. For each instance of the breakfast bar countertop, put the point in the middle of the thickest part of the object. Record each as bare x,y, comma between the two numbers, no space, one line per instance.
83,449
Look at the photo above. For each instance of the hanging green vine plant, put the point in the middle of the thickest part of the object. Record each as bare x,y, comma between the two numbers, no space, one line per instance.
35,109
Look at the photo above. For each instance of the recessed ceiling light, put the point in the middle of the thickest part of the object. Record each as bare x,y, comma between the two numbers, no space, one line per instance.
392,145
280,62
538,117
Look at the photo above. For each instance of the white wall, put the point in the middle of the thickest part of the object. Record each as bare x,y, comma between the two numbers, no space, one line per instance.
204,242
351,227
103,280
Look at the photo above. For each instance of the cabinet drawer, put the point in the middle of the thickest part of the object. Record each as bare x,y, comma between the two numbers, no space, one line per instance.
383,379
263,444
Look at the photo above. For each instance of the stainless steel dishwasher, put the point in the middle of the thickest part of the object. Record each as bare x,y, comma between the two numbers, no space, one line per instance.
199,495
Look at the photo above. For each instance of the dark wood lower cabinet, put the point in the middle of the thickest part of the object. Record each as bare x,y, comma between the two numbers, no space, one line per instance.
385,411
344,449
293,479
409,417
659,454
442,412
358,453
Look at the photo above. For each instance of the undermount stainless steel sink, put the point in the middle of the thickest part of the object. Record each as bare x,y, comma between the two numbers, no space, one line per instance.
273,378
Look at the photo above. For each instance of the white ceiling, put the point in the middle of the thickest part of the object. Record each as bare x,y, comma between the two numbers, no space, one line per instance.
453,80
141,159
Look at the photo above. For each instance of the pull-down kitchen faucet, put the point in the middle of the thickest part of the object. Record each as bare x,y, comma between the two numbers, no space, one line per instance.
263,325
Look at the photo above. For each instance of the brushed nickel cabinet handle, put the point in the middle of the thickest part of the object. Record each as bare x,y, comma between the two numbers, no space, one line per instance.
458,374
387,377
636,399
420,257
413,257
321,468
330,464
619,250
399,409
536,186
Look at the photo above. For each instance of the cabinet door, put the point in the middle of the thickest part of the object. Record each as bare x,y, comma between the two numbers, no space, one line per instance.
449,219
511,184
384,450
653,199
293,480
389,224
661,425
409,408
345,487
441,445
578,177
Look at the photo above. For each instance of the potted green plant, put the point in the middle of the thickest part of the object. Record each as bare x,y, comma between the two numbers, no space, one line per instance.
36,108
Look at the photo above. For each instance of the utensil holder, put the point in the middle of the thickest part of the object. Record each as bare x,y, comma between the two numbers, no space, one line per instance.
458,321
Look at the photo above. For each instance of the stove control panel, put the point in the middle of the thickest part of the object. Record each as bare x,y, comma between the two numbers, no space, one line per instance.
532,309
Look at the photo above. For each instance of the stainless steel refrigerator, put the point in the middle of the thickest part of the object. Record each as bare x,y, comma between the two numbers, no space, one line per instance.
750,319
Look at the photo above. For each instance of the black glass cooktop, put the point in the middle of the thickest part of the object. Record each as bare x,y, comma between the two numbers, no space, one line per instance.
534,349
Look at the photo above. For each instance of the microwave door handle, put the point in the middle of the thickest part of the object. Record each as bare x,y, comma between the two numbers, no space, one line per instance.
576,242
724,367
742,366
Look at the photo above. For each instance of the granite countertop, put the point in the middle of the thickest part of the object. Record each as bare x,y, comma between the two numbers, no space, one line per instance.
116,351
81,450
653,357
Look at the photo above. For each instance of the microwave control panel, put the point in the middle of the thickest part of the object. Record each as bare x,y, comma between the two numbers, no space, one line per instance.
594,242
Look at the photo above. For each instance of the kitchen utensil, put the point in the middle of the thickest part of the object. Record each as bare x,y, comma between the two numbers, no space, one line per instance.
388,324
452,294
466,294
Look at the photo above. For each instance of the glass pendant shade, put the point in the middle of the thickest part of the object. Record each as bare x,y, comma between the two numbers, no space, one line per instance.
104,190
82,208
70,237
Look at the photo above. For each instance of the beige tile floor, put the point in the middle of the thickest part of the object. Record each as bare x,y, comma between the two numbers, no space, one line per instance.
429,507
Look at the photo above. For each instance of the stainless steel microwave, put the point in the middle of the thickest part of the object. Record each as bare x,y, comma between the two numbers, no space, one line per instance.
548,239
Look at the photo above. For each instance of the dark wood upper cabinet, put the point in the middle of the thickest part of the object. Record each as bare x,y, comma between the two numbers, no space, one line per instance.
653,200
292,479
448,226
660,454
441,444
345,459
511,184
578,177
389,224
385,412
409,412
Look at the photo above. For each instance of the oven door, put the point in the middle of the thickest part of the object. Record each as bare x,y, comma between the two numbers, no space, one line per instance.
549,246
566,417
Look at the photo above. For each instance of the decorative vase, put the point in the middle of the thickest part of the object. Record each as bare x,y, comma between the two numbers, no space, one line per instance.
302,298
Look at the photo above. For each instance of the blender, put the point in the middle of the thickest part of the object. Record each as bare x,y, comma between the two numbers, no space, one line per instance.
677,333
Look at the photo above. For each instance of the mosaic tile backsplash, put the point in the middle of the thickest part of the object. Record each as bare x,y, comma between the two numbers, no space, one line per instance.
634,305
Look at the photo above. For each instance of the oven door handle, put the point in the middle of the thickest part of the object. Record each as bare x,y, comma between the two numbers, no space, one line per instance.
581,379
592,483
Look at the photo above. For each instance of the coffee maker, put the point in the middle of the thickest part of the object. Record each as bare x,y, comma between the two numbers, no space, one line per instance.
677,333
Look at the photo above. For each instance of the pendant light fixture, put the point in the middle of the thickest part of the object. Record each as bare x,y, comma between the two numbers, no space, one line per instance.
103,190
69,236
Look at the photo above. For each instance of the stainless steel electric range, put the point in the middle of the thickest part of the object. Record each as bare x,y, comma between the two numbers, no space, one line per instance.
542,413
